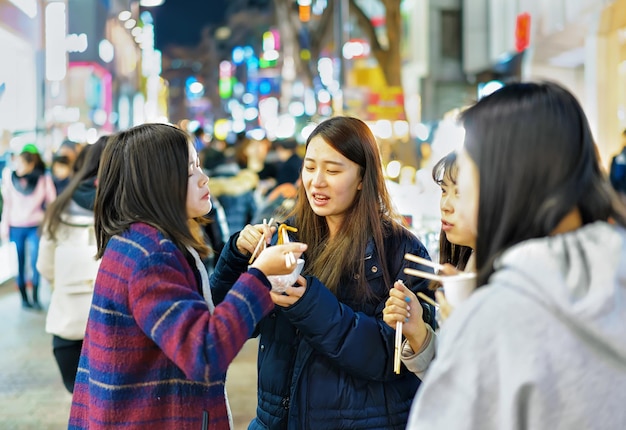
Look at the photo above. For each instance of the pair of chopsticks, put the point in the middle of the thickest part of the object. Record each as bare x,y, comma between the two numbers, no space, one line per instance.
261,243
408,271
425,262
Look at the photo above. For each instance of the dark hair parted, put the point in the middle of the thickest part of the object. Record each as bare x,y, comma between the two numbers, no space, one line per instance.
35,159
446,170
143,178
537,161
370,215
89,170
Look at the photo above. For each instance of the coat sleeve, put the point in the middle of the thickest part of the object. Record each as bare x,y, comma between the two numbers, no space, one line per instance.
6,204
412,245
178,320
360,344
452,394
486,370
230,265
50,190
45,259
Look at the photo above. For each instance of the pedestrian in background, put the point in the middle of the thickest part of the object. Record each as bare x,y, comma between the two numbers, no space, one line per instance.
286,167
61,171
617,171
234,182
325,354
540,344
67,251
156,349
26,192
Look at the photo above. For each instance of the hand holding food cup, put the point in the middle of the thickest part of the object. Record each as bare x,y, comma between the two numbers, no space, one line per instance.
271,261
291,294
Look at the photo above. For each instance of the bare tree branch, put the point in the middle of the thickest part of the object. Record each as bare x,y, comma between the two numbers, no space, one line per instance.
321,32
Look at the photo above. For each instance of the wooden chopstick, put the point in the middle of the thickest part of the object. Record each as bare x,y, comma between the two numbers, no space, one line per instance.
260,243
427,299
258,247
424,275
425,262
397,348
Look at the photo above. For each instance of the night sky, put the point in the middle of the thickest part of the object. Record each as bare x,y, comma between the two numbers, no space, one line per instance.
180,21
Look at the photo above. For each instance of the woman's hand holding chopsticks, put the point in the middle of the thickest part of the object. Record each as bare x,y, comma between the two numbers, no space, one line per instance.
271,261
255,237
403,307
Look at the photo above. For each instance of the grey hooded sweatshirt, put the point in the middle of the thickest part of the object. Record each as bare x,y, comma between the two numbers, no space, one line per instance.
541,346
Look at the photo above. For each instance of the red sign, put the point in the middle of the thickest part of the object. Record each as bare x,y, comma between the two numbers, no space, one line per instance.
522,32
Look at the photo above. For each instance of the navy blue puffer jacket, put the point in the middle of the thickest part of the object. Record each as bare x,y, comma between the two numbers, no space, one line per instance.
326,362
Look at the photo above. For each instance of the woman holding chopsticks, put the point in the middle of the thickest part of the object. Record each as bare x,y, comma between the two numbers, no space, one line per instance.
156,349
456,240
540,343
325,354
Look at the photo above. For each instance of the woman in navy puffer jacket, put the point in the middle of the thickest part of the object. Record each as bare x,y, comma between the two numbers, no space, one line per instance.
325,355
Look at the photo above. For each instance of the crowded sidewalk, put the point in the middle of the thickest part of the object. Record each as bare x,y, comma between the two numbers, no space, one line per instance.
32,395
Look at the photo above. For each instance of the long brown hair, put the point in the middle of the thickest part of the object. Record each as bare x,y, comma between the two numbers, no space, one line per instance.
143,178
371,215
90,157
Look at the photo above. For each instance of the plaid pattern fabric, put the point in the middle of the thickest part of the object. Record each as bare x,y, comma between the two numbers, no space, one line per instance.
153,355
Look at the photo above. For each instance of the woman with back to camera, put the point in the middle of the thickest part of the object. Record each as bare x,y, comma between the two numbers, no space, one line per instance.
156,349
456,240
67,250
325,354
540,344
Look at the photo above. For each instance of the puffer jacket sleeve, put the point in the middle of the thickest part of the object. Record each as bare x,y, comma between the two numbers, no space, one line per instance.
361,345
230,265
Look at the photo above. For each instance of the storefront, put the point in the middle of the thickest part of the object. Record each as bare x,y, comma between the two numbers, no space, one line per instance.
609,76
20,52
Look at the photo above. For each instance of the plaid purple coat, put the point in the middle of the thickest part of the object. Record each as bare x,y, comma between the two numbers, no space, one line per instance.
153,355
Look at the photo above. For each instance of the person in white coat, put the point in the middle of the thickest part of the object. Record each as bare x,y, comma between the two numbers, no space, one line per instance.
540,343
67,250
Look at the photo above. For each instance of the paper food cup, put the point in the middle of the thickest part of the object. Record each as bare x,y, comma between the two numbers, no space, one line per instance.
281,282
457,288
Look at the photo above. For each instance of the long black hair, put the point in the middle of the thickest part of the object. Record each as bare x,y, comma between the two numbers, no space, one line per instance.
446,170
537,161
143,178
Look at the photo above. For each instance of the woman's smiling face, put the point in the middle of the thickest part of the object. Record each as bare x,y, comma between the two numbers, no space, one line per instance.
331,181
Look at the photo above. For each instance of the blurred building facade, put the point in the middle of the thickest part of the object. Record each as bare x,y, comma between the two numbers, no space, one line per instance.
75,69
578,43
22,71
